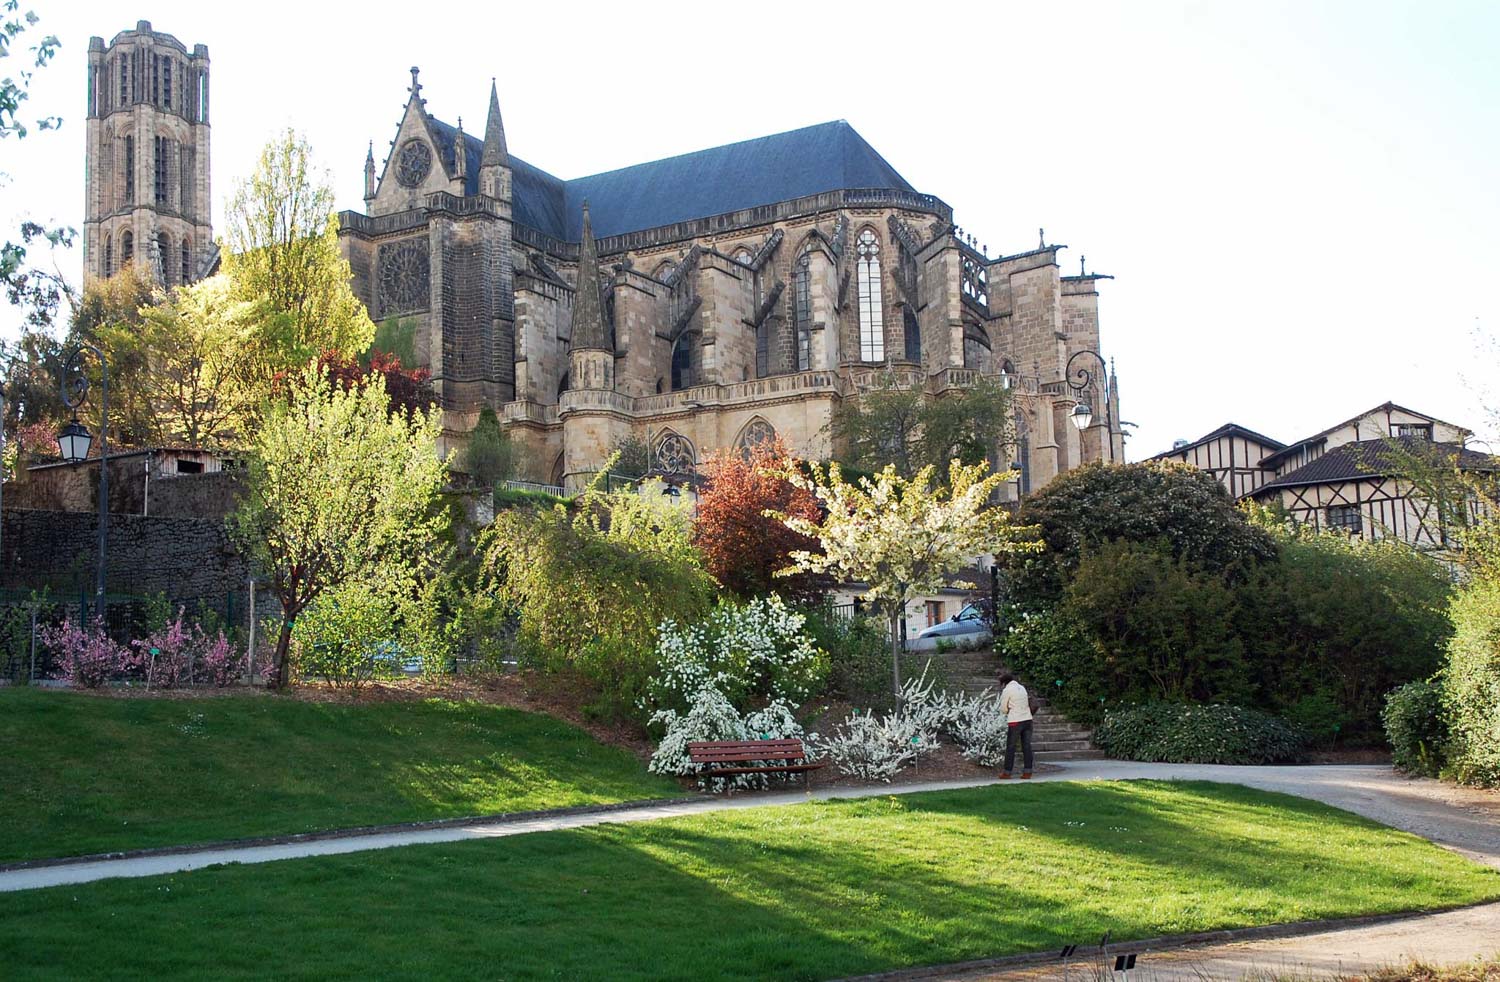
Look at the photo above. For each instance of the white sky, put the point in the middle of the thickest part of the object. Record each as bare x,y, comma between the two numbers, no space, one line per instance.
1298,199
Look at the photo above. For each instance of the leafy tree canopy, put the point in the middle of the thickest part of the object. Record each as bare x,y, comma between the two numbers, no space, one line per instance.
339,489
904,427
742,540
36,291
283,249
1098,503
902,537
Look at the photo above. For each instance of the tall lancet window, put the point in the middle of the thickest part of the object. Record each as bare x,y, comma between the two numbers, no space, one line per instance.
109,255
871,309
187,261
802,309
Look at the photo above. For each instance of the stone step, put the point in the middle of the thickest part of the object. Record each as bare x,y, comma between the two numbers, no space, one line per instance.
1059,745
1054,755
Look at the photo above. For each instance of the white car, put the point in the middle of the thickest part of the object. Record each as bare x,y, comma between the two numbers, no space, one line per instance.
969,628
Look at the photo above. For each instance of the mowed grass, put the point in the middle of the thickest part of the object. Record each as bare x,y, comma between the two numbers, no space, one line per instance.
806,891
82,774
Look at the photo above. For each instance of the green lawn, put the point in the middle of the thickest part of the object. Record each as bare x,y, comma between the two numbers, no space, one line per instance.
797,892
82,774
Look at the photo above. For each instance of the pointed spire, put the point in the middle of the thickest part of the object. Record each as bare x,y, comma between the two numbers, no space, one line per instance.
460,152
588,311
370,172
494,134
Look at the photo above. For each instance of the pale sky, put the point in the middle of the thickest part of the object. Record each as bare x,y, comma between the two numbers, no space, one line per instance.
1298,199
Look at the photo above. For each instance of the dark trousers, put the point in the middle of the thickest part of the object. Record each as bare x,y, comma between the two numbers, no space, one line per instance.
1018,732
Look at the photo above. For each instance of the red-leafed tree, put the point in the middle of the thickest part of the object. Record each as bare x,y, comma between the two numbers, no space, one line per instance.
408,389
743,547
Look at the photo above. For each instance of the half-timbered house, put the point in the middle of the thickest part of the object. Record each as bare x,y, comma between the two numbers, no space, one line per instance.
1231,453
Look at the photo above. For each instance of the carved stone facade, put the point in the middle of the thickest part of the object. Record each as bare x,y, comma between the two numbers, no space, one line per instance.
147,189
730,295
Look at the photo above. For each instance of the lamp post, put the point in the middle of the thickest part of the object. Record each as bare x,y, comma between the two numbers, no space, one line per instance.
75,439
1083,414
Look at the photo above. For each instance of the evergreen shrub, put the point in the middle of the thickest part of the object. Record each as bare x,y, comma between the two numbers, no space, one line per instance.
1471,685
1187,734
1415,727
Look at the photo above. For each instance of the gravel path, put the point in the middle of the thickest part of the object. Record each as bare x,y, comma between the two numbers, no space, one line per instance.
1468,821
1450,938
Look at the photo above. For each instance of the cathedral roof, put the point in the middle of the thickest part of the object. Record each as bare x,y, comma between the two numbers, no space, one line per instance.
763,171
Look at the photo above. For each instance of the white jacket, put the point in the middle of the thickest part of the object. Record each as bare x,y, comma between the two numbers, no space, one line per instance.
1014,702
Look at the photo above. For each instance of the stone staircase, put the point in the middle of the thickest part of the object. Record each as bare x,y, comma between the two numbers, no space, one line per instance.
1057,737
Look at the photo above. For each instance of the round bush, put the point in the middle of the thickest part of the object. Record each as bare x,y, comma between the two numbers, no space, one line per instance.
1415,727
1187,734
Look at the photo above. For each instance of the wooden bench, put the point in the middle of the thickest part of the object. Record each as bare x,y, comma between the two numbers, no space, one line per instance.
727,757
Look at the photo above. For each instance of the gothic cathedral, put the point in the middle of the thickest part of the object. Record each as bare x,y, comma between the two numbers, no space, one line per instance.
708,300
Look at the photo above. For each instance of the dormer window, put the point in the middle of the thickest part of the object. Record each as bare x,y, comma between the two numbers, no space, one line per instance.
1418,431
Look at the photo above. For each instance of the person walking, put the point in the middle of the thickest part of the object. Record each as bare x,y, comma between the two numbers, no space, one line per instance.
1015,703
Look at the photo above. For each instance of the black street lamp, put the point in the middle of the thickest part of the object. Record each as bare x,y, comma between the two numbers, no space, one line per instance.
1083,414
74,442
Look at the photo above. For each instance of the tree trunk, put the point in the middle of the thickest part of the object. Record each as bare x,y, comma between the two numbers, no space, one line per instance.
896,648
283,646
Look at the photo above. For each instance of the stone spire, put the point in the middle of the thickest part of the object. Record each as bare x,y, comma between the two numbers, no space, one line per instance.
460,152
495,154
588,312
370,174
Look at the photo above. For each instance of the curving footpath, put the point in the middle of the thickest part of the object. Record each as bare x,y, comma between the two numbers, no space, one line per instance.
1463,820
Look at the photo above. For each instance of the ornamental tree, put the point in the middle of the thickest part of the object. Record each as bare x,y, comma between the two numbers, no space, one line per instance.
281,247
902,537
743,543
339,489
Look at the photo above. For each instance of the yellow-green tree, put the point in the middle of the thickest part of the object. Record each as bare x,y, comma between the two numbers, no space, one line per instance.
282,248
189,351
903,537
339,490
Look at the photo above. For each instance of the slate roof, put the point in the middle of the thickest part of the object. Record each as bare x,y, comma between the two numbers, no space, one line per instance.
1228,429
1371,458
763,171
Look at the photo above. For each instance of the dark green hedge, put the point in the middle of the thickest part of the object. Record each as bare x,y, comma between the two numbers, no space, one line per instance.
1416,727
1183,734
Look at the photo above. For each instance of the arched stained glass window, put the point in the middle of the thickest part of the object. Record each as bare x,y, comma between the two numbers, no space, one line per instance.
187,261
743,256
109,255
127,248
164,256
871,308
802,309
756,432
664,269
675,455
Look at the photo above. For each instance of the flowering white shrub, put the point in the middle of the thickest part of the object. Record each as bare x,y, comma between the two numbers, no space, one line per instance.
874,749
979,727
758,649
713,717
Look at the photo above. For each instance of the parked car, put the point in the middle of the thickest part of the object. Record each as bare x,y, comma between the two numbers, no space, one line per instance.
969,628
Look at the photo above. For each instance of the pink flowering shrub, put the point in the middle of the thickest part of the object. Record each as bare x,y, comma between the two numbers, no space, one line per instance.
86,655
182,653
219,663
166,655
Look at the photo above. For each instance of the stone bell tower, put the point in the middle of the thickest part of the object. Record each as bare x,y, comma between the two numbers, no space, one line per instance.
147,186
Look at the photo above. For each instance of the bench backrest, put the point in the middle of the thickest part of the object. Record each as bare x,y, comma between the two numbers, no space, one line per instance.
738,751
